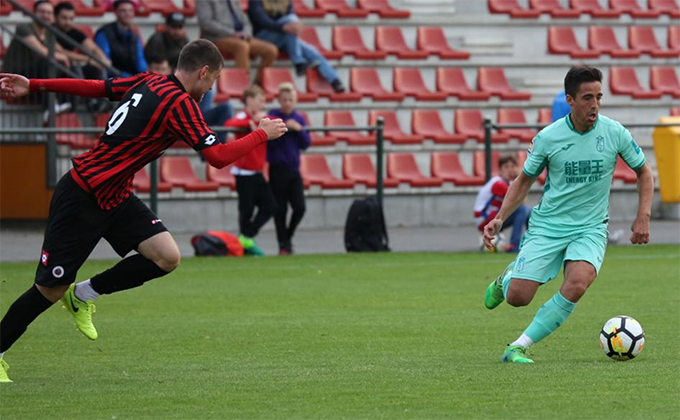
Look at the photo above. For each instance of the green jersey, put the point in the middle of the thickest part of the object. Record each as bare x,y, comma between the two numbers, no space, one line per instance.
580,171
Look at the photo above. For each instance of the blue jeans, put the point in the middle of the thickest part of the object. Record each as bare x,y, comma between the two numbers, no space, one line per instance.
298,50
518,220
215,115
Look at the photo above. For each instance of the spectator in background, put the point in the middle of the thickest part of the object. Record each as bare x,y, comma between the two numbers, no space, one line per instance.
119,41
253,190
275,21
284,168
31,59
168,43
490,198
158,64
224,23
560,107
65,13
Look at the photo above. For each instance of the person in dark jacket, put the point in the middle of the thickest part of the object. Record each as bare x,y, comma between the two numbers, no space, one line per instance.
275,21
284,168
120,43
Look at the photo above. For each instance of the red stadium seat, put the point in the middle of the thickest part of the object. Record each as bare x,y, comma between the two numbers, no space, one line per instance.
665,80
315,171
83,9
561,40
272,77
493,81
163,7
142,183
632,8
318,85
544,116
603,40
347,39
140,7
189,8
231,84
522,157
408,81
86,29
668,7
310,36
468,122
674,38
554,8
74,140
512,8
623,172
391,40
451,81
319,138
365,80
427,123
3,49
479,163
446,165
5,8
340,8
624,81
433,40
515,116
642,38
346,119
392,130
302,10
177,171
675,111
222,176
383,8
593,8
403,167
359,168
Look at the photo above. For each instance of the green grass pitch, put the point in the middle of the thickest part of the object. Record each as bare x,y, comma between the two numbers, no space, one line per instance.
393,336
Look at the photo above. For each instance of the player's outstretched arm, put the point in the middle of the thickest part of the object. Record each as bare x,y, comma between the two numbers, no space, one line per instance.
221,155
517,193
640,226
16,86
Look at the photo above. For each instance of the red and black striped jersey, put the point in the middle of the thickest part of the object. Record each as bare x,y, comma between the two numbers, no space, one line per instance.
154,111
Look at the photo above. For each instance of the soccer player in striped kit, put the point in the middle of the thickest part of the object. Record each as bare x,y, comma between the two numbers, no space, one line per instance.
94,200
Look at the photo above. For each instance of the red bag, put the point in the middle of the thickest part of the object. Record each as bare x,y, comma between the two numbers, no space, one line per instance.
217,243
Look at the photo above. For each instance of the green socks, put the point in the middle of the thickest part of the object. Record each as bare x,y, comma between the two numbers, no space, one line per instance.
552,314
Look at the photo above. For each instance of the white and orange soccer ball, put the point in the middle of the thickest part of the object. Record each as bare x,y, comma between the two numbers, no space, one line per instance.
622,338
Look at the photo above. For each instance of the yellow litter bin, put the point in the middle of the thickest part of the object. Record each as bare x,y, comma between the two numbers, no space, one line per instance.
667,151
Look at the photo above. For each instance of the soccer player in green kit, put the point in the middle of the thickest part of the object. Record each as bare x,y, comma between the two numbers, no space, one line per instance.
568,227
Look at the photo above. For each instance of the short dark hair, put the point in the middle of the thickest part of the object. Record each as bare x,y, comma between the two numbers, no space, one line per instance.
506,159
199,53
118,3
253,91
578,75
39,3
64,5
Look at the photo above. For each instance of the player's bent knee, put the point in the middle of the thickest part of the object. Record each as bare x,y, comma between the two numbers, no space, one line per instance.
169,261
55,293
517,300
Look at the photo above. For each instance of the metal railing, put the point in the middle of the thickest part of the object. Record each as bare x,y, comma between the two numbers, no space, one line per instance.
489,126
153,166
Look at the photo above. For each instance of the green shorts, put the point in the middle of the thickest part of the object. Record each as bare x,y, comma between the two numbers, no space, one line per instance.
540,256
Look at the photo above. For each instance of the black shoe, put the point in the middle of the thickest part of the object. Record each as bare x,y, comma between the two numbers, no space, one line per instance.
337,85
301,69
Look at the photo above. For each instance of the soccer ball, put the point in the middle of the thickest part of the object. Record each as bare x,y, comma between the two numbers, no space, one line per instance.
622,338
499,244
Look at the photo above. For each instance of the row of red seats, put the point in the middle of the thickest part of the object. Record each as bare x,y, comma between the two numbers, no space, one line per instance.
364,82
662,81
655,8
402,168
166,7
601,40
389,40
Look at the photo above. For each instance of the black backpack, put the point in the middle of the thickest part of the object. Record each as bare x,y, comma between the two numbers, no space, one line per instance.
365,227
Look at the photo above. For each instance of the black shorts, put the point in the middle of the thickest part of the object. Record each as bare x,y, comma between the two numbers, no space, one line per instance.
76,224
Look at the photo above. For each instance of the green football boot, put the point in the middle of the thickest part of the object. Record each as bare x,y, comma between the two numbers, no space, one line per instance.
516,354
250,246
81,311
4,367
494,293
